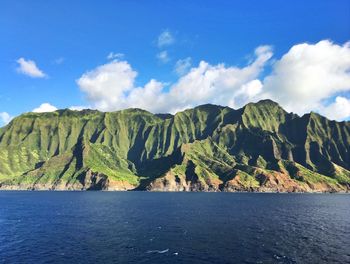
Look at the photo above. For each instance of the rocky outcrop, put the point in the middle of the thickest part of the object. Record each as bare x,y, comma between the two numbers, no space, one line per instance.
87,181
178,183
274,182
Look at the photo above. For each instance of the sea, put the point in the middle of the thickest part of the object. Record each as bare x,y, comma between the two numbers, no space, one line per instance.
165,227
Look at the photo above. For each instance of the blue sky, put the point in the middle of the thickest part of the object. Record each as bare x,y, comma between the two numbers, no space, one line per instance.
66,39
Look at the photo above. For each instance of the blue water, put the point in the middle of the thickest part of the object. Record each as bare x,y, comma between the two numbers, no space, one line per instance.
144,227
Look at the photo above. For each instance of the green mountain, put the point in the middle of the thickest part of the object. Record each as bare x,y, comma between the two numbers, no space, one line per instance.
259,147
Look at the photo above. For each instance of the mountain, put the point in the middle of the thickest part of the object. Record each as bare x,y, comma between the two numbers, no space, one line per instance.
259,147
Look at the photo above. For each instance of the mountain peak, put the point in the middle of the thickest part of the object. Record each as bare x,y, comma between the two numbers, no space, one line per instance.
265,114
265,103
208,107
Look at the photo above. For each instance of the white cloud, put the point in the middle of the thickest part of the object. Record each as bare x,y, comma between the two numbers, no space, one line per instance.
111,86
107,85
113,55
250,89
165,39
5,118
219,84
78,108
303,80
45,107
308,74
29,68
182,66
151,97
163,56
338,110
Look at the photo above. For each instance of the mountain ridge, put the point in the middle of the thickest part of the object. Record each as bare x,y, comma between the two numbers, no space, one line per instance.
259,147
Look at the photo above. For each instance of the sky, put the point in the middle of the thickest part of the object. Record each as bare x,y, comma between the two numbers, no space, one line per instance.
166,56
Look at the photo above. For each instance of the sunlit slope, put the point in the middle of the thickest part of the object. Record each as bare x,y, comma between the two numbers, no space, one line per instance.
259,147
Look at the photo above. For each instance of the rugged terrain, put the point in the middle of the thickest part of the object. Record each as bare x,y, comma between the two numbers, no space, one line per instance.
259,147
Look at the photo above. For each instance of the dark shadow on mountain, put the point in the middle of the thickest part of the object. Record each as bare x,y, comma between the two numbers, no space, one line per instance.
164,116
190,173
155,168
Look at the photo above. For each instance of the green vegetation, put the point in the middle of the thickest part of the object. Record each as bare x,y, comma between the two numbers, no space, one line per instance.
213,144
247,180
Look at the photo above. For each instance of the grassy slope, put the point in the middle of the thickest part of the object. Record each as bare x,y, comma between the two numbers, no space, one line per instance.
132,144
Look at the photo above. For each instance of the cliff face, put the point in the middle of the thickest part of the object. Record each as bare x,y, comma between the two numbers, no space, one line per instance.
259,147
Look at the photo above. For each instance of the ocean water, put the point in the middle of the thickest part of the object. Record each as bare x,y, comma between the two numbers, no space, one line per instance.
145,227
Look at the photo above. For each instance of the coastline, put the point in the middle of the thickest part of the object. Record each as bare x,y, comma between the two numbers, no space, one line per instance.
13,188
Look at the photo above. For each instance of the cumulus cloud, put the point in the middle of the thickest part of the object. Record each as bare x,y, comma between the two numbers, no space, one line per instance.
163,56
165,39
112,56
220,84
45,107
309,77
250,90
78,108
337,110
5,118
308,74
150,97
182,66
29,68
111,86
107,85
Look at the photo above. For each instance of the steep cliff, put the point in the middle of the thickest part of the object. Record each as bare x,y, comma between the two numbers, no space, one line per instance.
259,147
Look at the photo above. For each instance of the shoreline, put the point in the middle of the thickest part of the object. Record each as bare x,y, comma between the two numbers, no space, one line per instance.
167,191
